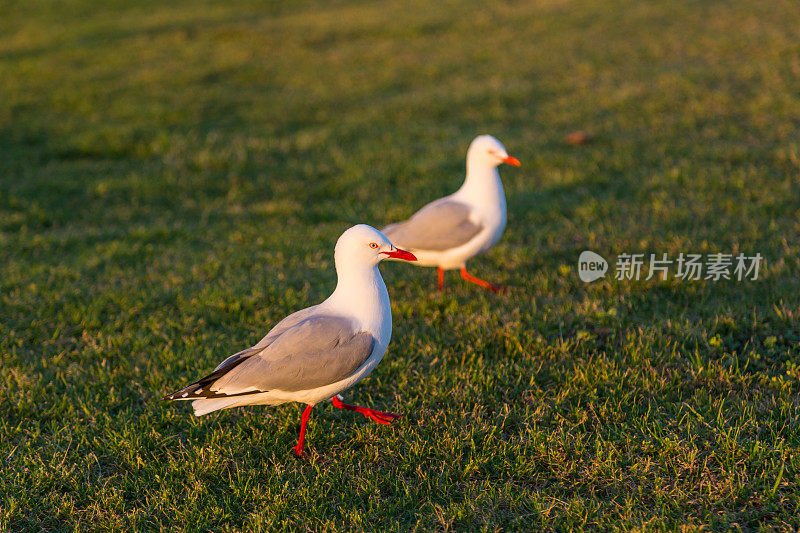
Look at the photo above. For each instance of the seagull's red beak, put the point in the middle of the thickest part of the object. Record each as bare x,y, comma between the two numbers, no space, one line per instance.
512,161
397,253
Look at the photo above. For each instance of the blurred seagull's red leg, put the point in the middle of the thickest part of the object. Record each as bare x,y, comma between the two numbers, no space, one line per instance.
441,278
378,416
478,281
303,422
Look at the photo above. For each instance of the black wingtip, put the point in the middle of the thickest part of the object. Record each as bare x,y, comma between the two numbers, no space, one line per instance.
181,393
200,389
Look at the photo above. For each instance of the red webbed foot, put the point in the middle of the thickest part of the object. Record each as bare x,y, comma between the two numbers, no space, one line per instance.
378,416
482,283
298,451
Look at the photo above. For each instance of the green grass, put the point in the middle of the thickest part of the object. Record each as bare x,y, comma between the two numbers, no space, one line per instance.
170,176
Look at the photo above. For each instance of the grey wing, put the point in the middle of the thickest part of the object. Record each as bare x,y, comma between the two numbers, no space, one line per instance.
318,351
273,334
440,225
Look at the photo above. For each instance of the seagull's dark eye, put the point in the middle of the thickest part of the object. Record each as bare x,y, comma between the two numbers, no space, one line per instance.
373,245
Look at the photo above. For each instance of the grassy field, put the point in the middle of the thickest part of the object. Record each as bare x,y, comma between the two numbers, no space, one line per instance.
171,184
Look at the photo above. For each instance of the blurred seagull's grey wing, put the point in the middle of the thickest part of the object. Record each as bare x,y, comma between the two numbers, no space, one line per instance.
440,225
318,351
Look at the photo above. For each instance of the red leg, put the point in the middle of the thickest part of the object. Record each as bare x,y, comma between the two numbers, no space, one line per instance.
478,281
378,416
441,278
303,422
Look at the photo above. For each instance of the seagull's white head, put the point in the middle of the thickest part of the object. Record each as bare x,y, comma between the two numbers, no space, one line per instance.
365,245
485,150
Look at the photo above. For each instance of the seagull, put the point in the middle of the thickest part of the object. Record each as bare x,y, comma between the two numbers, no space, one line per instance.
451,230
317,352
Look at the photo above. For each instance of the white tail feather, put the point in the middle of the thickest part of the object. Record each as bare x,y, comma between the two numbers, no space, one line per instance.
205,406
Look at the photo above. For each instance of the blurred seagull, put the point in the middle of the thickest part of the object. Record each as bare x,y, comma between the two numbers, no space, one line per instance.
451,230
318,352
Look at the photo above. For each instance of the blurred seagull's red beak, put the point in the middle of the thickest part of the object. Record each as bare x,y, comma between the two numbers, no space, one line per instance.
397,253
512,161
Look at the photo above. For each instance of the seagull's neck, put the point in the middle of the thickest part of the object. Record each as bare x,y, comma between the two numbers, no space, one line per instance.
482,186
361,294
